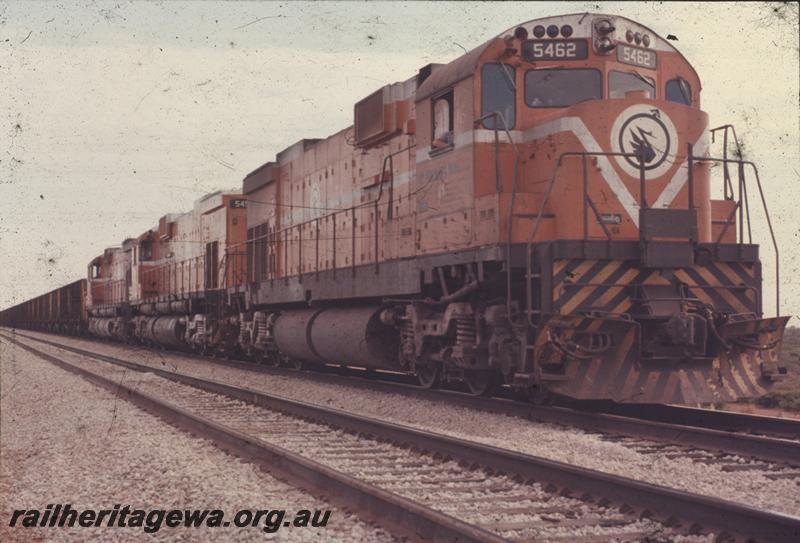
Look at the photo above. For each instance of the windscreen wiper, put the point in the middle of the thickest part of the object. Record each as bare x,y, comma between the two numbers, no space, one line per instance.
643,78
509,78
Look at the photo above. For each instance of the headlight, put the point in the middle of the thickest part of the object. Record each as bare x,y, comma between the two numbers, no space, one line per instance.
604,45
604,26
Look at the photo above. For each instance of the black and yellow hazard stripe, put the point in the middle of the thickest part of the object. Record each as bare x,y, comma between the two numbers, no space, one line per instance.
578,282
598,285
594,376
620,375
608,285
718,285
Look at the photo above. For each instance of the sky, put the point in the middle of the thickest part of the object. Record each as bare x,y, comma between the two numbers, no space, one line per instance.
116,113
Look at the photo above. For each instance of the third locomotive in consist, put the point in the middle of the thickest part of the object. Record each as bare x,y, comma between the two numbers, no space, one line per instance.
537,212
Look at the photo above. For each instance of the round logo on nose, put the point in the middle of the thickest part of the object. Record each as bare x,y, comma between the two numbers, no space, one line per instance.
644,133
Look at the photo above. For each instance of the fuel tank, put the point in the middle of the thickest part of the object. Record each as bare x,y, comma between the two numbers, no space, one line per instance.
166,331
293,335
147,309
169,331
352,336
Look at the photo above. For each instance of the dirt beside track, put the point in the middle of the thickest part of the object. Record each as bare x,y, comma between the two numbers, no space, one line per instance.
565,444
64,440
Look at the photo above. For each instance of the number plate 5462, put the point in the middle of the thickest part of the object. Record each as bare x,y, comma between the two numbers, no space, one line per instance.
554,49
636,56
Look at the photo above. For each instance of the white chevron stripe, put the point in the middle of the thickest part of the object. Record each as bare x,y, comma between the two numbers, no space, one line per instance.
589,143
681,176
607,171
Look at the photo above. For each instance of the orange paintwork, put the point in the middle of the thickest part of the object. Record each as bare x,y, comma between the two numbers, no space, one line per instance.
448,199
334,203
110,286
169,261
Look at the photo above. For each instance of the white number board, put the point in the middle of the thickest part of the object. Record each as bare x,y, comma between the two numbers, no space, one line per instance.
636,56
554,50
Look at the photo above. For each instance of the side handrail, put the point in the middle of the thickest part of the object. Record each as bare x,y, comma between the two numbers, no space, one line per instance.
389,212
498,187
274,237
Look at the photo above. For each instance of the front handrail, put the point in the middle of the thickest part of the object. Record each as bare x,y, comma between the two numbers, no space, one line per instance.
725,128
540,214
740,206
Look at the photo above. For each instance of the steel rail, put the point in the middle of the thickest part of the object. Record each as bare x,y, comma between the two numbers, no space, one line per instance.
708,418
668,504
664,424
396,513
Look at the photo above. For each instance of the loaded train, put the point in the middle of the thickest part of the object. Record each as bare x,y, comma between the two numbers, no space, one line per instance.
538,213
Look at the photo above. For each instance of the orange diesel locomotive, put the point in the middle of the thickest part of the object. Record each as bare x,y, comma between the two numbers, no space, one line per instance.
538,212
167,286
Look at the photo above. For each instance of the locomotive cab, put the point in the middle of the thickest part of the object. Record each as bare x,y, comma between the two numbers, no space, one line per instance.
108,283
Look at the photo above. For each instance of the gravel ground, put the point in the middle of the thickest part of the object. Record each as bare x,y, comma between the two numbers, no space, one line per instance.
64,440
420,477
568,445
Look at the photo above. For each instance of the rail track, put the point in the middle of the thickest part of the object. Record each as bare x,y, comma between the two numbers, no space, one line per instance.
715,420
443,487
718,437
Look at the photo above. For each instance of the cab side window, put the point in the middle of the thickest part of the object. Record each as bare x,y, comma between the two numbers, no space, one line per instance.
498,93
146,251
442,120
679,91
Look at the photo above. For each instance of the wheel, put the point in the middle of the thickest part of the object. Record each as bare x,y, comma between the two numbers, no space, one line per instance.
429,375
481,382
538,396
270,359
